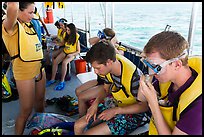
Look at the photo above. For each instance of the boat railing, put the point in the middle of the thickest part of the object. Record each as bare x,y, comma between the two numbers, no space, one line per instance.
131,49
133,54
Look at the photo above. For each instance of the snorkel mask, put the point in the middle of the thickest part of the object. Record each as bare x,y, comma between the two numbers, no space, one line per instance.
102,35
62,21
158,67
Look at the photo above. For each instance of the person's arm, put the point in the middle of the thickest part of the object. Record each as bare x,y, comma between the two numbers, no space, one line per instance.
44,26
150,94
92,111
59,43
78,49
11,16
138,107
94,40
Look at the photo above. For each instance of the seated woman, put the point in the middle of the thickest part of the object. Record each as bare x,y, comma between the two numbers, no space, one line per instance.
88,91
71,49
57,40
60,25
108,34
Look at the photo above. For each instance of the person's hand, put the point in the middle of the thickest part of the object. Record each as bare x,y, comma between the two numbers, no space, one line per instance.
108,114
147,90
91,112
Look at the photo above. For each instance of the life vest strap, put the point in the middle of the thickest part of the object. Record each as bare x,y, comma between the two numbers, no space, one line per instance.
15,56
42,66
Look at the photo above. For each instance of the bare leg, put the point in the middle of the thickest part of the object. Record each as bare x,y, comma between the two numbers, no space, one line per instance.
79,126
101,129
55,63
64,66
55,53
40,94
26,89
86,96
85,86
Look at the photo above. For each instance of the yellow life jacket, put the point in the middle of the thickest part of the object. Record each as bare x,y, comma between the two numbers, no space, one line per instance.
124,96
71,48
120,47
186,98
30,48
61,36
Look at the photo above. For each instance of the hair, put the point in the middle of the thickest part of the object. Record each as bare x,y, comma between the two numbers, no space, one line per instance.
71,38
109,32
57,24
35,11
169,44
3,13
5,5
101,52
24,5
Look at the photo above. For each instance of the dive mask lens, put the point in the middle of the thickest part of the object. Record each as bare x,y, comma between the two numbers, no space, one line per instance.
155,68
101,35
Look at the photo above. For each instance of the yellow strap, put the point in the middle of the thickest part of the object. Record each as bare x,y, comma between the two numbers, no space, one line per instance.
59,131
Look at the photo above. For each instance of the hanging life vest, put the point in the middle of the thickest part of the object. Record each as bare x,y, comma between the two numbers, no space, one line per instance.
6,89
124,96
9,92
171,114
48,4
60,5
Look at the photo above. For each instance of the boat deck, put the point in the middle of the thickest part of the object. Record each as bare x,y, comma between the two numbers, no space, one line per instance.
11,109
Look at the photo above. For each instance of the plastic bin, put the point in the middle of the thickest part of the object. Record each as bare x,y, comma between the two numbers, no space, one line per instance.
80,66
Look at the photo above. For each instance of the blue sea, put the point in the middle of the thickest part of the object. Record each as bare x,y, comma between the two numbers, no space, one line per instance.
136,22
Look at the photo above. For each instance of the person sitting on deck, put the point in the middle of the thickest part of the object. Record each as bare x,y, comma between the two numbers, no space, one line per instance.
56,41
71,49
175,98
87,92
108,34
122,81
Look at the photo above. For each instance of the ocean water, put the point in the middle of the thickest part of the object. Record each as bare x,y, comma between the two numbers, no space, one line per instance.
135,22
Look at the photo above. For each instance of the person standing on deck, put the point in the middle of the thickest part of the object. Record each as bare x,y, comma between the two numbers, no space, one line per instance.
25,48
